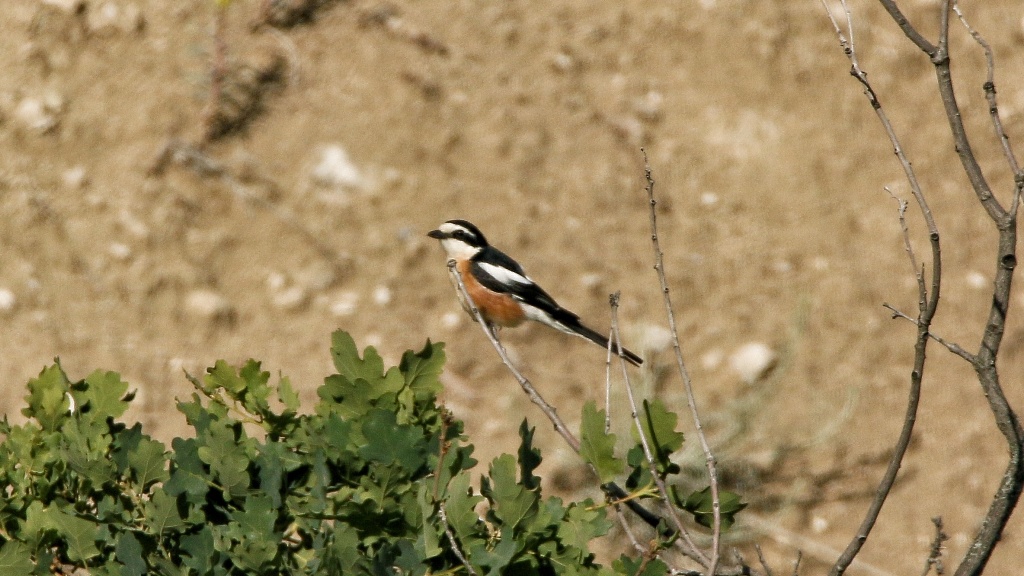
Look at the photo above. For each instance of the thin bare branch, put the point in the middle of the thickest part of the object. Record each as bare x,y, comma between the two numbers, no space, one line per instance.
952,347
443,514
908,29
928,300
918,271
935,552
709,457
796,563
984,361
712,565
990,91
608,388
764,563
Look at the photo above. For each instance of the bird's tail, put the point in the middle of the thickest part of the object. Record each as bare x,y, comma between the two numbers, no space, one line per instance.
601,340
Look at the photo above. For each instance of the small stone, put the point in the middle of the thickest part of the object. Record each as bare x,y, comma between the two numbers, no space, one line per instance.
712,358
382,295
650,106
976,280
563,62
708,199
39,114
345,304
334,169
109,18
451,320
7,301
819,525
132,225
753,361
291,298
75,177
119,251
656,338
276,281
209,305
316,277
69,6
591,281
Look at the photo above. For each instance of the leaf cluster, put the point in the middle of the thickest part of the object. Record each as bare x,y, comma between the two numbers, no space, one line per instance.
354,486
658,429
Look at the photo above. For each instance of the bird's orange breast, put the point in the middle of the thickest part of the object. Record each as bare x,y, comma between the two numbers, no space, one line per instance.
496,308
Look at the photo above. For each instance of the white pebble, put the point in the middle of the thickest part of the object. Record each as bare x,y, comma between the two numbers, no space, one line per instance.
316,277
655,338
819,525
591,281
451,320
752,361
712,358
345,304
976,280
137,228
39,114
708,199
649,106
382,295
208,304
75,177
7,300
109,17
69,6
291,298
119,251
563,62
336,170
276,281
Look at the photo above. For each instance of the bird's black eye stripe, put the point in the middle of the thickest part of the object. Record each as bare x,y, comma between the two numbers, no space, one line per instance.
463,236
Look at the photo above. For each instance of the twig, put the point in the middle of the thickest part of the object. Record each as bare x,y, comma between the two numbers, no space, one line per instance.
990,91
796,563
928,301
984,362
443,514
627,528
935,552
608,387
709,457
952,347
764,563
918,271
613,301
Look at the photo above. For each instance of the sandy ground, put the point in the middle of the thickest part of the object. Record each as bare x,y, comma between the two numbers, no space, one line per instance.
373,123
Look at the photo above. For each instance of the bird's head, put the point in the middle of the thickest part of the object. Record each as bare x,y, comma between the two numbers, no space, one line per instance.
459,238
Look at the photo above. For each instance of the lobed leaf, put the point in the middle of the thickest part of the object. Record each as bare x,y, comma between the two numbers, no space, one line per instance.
596,446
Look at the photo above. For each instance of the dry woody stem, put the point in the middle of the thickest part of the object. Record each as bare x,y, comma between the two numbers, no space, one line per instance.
1005,222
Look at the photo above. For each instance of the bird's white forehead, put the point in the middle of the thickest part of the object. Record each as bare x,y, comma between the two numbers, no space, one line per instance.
450,227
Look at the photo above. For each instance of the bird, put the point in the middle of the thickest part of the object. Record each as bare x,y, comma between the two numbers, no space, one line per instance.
501,290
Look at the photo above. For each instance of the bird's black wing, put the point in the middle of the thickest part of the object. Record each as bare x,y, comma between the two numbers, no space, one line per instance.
528,292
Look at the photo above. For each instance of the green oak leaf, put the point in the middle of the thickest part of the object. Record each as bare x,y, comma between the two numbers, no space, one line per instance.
596,446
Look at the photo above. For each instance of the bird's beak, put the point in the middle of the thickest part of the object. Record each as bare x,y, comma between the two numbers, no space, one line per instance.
437,234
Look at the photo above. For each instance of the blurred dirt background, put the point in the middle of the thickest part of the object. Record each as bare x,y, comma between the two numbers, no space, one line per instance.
127,243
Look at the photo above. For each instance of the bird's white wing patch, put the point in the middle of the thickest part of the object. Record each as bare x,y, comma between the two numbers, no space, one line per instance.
538,315
504,275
